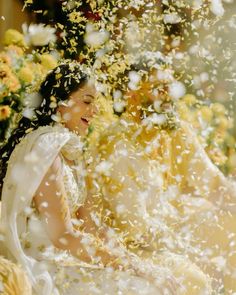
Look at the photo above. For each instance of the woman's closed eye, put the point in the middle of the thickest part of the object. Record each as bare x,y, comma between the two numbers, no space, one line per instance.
87,102
88,99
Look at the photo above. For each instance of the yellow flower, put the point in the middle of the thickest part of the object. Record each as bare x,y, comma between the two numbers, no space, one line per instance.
3,93
8,79
4,58
26,75
14,37
16,49
189,99
13,279
184,112
222,122
48,61
39,70
206,113
5,71
218,108
5,112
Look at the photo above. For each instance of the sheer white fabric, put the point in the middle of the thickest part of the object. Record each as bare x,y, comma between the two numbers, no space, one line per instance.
27,166
52,271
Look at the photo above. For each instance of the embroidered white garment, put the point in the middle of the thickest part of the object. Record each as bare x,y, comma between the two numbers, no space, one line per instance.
27,166
52,271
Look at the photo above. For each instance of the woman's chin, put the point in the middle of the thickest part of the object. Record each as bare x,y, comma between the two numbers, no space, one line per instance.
84,127
82,130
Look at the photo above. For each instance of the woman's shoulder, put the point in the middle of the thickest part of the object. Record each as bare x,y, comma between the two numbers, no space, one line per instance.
49,131
42,141
49,135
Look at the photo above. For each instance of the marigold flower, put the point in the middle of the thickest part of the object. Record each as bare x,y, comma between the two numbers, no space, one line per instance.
223,122
26,75
189,99
3,92
14,37
5,112
48,61
16,49
206,113
218,108
8,79
4,58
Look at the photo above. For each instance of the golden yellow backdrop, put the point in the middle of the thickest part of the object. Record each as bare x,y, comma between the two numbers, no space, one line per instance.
11,16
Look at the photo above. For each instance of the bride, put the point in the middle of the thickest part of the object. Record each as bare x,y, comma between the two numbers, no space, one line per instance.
164,196
48,225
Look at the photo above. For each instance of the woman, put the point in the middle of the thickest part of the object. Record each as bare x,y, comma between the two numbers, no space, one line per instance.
45,202
165,196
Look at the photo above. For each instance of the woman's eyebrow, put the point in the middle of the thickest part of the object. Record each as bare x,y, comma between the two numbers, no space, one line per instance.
89,95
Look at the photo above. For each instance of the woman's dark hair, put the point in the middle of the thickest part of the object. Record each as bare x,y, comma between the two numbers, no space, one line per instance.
57,87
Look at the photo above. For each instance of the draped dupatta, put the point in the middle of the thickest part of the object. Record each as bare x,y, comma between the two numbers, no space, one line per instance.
27,166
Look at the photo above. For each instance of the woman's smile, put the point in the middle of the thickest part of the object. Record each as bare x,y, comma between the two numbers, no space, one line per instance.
85,120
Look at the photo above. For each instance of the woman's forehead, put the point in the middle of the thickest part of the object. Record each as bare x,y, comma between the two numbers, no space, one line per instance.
85,89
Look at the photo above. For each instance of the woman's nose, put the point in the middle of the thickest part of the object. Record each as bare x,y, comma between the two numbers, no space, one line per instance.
94,110
91,110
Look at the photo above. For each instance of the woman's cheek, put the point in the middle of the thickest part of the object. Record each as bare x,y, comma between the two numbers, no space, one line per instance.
76,109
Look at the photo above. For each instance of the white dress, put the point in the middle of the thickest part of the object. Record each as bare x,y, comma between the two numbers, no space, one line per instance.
52,271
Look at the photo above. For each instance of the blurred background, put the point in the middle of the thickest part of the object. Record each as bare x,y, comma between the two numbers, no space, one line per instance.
201,47
12,16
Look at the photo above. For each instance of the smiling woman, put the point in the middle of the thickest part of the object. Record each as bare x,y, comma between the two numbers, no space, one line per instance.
79,110
66,93
55,90
65,250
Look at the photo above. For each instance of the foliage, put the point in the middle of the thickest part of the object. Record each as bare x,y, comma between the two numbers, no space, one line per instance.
21,71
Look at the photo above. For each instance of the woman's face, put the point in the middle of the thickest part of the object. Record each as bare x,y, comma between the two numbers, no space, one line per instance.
78,111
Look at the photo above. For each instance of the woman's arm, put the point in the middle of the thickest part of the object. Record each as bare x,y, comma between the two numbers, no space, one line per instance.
50,201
